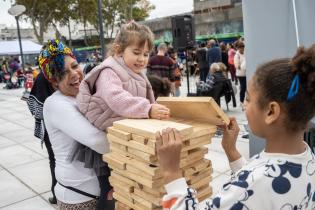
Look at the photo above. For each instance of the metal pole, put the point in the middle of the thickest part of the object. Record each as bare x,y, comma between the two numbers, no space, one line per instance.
70,41
187,71
20,43
100,20
296,24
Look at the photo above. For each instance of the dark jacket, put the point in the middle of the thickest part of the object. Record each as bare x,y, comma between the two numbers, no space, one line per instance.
201,58
214,55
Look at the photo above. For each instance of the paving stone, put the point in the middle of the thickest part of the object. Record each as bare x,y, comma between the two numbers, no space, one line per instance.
36,203
12,190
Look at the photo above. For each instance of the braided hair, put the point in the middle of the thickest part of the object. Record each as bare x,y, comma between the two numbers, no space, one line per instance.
273,81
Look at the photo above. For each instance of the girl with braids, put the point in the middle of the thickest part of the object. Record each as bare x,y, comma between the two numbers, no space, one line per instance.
77,187
280,103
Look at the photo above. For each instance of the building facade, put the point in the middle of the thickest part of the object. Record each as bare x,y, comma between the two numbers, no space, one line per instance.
211,17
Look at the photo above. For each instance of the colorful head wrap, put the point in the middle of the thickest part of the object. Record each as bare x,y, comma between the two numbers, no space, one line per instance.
51,58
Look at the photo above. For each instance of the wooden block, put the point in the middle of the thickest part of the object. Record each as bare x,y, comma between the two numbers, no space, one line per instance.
118,146
143,140
132,144
122,199
199,144
203,109
119,134
202,182
142,155
121,206
150,169
149,127
143,202
116,183
197,140
156,200
122,178
189,160
135,170
196,167
199,176
157,192
137,178
204,193
116,160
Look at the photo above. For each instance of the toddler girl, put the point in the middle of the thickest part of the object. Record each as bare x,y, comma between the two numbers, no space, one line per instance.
117,89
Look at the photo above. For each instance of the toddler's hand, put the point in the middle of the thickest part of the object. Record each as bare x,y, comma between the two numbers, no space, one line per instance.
159,111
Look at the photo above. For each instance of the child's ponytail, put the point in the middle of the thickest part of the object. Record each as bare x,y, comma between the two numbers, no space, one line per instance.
303,64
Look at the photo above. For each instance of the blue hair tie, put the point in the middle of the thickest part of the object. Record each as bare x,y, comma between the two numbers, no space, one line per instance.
294,89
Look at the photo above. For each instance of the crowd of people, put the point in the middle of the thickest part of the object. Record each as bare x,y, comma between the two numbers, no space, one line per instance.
64,101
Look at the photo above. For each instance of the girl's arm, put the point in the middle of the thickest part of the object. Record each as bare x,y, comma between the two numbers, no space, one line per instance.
67,118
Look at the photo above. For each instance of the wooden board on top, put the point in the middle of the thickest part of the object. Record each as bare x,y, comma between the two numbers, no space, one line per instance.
149,127
203,109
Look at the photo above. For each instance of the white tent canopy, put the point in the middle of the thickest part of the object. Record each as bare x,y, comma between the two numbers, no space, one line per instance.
13,48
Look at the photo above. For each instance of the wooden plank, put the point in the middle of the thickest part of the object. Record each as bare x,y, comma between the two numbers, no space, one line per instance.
203,109
118,146
196,167
156,200
119,133
204,193
149,127
125,187
132,144
116,160
198,144
135,170
157,192
122,178
202,182
199,139
143,202
121,206
122,199
150,169
135,177
144,140
142,155
199,176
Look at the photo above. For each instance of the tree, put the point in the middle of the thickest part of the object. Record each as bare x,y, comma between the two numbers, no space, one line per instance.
85,14
43,13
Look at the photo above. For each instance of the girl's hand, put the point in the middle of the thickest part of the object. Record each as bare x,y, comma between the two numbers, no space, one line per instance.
230,133
168,147
159,112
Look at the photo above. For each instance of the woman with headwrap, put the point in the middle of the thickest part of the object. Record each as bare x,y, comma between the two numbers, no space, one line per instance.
77,187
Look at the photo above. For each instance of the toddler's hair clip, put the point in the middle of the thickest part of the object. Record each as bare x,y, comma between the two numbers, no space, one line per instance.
294,89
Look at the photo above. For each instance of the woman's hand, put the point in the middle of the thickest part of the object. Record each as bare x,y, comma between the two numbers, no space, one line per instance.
169,146
159,112
230,133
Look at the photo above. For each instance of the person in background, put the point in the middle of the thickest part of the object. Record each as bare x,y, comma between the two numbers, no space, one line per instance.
177,72
203,65
240,66
232,70
213,53
224,55
162,65
160,86
280,177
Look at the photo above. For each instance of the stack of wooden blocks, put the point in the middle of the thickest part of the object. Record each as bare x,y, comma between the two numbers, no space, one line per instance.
136,176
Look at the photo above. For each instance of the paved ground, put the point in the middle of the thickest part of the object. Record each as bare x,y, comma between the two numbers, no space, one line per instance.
24,169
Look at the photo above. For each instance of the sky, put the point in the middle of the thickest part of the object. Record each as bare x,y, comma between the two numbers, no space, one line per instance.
162,8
